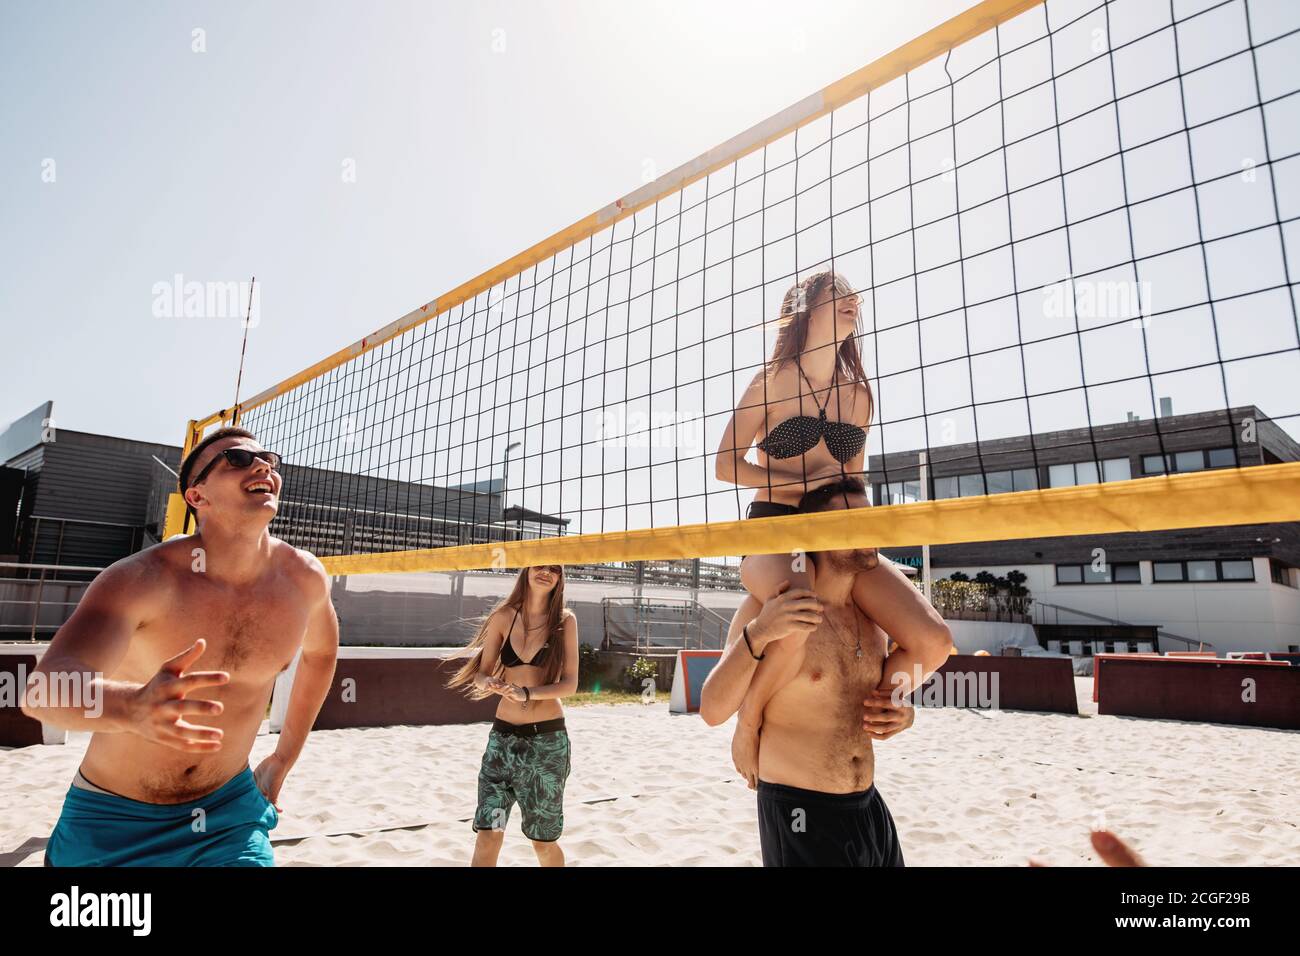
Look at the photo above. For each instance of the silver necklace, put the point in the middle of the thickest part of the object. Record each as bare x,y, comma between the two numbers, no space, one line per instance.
857,626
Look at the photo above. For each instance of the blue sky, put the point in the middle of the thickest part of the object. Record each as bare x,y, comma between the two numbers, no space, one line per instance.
476,129
363,160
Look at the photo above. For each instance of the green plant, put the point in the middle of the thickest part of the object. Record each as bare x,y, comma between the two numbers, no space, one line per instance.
636,672
957,596
1017,593
986,592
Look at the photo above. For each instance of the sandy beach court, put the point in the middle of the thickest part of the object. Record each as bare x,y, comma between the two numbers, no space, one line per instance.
653,789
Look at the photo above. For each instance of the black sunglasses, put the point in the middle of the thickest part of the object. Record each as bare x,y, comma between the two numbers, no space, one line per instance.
238,458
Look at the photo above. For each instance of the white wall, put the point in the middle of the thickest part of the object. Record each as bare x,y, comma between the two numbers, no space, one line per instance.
971,636
1232,615
1286,612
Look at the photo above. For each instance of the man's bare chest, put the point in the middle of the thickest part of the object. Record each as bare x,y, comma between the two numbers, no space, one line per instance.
839,655
835,676
252,633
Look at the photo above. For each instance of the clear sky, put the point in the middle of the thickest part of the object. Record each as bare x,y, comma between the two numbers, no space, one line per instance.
360,160
476,129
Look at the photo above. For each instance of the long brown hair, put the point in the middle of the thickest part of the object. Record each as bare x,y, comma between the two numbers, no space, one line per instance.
515,601
792,334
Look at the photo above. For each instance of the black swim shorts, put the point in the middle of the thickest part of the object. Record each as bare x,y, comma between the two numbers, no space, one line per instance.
809,828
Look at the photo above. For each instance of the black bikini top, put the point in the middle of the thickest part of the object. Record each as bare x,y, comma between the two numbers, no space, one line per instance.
509,658
799,435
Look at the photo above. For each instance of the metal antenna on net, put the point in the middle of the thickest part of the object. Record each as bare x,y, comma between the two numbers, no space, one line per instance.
242,349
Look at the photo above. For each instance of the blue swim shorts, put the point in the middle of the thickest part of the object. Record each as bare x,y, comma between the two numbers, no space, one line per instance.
228,827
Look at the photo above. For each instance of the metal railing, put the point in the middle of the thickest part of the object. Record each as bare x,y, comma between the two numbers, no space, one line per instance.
36,582
327,529
659,624
686,574
97,537
1160,632
718,619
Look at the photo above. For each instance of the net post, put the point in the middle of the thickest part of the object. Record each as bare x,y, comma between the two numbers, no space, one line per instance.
177,518
924,473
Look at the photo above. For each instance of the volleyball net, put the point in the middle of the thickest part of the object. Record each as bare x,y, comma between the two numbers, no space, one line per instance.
1067,222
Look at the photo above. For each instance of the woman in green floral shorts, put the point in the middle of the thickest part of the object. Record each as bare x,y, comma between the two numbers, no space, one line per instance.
527,653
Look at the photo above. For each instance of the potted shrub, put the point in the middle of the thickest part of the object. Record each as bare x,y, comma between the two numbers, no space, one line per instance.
636,672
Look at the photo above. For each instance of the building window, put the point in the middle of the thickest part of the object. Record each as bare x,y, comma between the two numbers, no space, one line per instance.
1000,482
1060,476
1233,569
1168,571
1237,570
1189,461
898,492
1085,472
1116,469
993,483
1069,574
1018,479
1280,573
1093,575
1127,572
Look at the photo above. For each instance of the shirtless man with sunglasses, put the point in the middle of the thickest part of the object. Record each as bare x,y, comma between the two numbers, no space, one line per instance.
178,646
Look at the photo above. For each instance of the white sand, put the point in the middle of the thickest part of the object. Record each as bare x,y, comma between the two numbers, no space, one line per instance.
650,788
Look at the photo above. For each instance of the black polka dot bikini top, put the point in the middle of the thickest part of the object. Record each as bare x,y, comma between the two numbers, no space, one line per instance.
800,434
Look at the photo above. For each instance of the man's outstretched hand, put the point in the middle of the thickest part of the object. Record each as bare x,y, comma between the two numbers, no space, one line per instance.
160,709
1112,850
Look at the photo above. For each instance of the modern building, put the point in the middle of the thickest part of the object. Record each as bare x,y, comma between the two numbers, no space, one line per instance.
75,502
1236,588
78,498
86,500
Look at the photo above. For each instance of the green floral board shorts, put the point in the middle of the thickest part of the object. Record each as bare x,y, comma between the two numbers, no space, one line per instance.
527,764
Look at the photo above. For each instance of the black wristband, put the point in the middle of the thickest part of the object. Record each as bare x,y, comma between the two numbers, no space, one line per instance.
745,633
527,696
